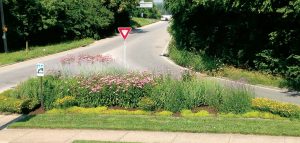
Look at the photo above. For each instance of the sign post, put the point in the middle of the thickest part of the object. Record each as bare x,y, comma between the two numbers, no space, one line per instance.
124,31
146,4
40,72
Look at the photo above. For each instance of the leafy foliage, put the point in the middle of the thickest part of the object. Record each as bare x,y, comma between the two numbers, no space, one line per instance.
275,107
256,34
44,21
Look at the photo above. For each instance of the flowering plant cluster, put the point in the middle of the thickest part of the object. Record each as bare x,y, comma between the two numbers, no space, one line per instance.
84,58
282,109
120,82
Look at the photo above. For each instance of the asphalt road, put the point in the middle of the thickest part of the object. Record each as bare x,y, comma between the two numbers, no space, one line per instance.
143,53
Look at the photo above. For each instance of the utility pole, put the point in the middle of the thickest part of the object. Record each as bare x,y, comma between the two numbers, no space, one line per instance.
4,29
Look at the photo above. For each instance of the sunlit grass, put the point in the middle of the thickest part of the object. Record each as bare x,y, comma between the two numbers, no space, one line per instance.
252,77
214,67
39,51
160,123
139,22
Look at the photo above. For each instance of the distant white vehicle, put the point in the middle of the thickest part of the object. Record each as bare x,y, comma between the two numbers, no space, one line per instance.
166,17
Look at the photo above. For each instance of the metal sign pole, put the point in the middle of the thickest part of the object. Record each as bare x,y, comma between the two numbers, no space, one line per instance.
40,72
41,92
124,54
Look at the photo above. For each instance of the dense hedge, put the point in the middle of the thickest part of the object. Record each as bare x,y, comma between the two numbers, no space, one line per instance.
44,21
258,34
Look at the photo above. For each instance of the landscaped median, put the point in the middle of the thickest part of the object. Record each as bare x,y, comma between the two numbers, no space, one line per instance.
142,101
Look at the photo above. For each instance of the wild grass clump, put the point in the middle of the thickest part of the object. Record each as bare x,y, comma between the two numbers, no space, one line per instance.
174,95
133,90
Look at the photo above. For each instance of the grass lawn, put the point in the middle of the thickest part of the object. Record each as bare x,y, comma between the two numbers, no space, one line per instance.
159,123
139,22
212,67
252,77
34,52
82,141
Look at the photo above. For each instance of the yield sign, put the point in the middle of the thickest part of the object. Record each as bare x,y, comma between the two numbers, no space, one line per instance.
124,31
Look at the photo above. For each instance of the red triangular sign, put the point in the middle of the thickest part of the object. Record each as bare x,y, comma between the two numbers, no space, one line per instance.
124,31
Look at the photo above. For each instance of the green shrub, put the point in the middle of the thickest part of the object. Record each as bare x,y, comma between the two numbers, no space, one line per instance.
14,105
164,113
66,101
146,104
275,107
254,34
189,113
263,115
97,110
251,114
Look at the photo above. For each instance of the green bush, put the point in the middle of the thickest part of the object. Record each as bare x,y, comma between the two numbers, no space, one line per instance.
96,110
15,105
66,101
256,34
275,107
146,104
189,113
44,21
164,113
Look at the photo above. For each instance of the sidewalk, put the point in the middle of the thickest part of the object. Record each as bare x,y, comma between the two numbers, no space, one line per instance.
68,136
7,119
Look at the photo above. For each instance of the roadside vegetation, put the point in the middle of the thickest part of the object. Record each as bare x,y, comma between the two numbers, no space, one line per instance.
139,22
260,36
36,23
97,98
39,51
214,67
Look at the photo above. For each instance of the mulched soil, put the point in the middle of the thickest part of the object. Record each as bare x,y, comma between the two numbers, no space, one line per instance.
39,110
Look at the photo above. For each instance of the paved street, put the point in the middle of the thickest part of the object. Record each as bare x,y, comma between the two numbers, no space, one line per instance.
67,136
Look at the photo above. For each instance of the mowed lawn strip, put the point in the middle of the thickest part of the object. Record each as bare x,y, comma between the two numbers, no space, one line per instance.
139,22
34,52
158,123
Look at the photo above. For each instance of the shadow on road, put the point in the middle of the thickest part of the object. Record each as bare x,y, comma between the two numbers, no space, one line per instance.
292,93
138,31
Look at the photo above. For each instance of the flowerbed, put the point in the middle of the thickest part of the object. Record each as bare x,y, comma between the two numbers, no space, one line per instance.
143,91
282,109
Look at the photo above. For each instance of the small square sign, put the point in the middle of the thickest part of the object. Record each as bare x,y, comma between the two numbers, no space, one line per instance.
40,69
